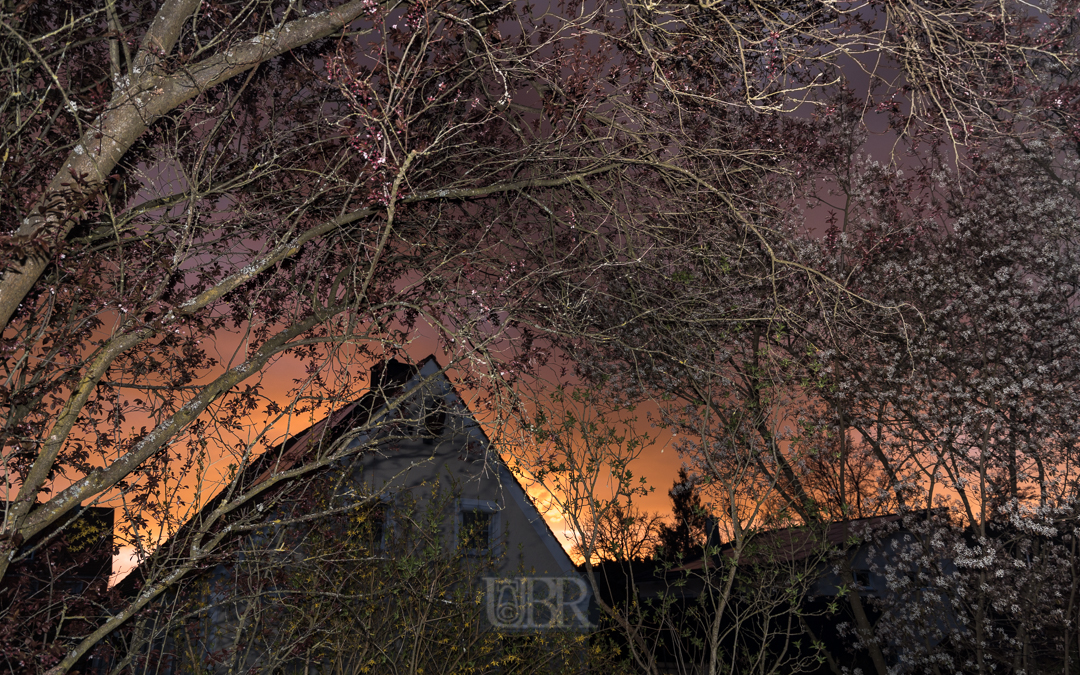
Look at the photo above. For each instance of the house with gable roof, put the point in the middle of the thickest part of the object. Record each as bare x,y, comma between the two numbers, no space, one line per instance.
438,439
406,444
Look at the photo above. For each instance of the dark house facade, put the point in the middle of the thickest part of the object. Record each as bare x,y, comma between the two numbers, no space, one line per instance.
418,464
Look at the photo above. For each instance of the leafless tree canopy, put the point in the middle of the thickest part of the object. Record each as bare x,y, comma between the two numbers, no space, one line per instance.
200,194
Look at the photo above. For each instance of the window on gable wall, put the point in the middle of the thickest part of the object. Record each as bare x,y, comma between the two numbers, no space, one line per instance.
476,530
369,526
435,422
478,526
378,522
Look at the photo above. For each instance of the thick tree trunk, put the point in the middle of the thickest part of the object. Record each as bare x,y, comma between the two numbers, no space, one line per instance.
140,98
862,621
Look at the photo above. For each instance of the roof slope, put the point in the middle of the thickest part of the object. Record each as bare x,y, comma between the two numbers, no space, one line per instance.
792,544
389,385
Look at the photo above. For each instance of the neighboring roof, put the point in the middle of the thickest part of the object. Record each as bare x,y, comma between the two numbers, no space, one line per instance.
388,381
792,544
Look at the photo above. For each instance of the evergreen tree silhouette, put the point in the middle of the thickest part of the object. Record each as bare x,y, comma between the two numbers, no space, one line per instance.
686,536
